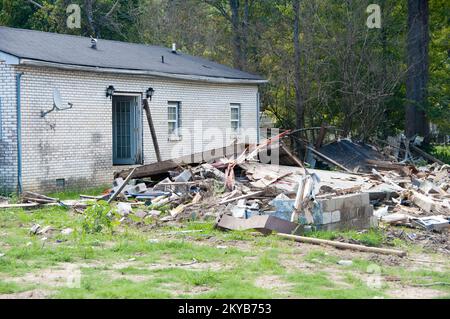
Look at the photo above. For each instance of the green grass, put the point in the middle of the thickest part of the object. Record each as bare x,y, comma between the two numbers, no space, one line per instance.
210,263
442,153
371,237
74,193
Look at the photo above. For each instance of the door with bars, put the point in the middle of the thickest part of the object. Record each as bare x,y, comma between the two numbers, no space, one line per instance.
127,130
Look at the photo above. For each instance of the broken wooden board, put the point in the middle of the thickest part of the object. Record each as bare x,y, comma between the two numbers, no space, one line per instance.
338,181
196,158
25,205
428,204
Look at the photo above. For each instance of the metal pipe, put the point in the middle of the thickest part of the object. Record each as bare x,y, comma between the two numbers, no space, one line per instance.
19,133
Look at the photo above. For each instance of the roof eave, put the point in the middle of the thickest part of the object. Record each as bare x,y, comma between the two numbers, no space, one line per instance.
185,77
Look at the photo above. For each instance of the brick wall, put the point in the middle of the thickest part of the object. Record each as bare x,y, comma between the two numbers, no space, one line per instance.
76,144
8,136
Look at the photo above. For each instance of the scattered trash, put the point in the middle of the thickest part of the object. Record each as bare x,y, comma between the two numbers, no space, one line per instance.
233,187
345,262
34,229
124,209
67,231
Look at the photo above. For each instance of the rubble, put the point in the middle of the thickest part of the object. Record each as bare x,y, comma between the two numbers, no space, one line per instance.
234,187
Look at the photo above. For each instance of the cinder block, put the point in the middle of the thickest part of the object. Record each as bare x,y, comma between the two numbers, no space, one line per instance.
117,182
365,199
139,188
328,205
326,218
336,216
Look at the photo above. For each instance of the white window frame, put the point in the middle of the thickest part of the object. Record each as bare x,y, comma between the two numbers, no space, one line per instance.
238,107
176,132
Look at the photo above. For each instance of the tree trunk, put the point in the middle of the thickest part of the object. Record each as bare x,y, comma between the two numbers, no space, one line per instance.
299,105
237,41
417,75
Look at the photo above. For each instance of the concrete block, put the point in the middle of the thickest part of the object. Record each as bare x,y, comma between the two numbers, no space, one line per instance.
328,205
326,218
139,188
117,182
365,199
336,216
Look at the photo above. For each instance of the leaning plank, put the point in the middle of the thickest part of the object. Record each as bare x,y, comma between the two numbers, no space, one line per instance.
152,129
119,190
196,158
426,155
338,244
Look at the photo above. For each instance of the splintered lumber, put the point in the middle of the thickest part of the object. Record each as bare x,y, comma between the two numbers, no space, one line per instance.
28,194
121,187
241,197
427,204
196,158
26,205
338,244
152,129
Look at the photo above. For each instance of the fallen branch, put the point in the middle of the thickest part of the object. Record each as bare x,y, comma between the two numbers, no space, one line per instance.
338,244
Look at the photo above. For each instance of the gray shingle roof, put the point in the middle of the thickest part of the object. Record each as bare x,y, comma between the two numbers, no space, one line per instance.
76,50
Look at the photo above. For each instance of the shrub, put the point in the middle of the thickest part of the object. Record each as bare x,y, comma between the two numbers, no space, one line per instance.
98,217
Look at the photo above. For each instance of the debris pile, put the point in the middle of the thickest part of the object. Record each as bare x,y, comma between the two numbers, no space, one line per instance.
233,186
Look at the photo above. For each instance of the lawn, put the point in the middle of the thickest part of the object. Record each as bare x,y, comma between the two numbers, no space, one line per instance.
194,260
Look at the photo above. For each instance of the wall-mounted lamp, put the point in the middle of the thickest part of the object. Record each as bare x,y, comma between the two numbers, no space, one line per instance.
110,91
149,93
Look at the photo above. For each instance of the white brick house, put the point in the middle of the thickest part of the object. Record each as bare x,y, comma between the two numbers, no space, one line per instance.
197,105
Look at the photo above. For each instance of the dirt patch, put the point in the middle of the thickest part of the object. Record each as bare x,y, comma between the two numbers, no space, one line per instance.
272,282
415,293
64,274
30,294
114,275
196,290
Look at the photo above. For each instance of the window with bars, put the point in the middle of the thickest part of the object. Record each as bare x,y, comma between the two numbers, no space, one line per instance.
235,117
174,118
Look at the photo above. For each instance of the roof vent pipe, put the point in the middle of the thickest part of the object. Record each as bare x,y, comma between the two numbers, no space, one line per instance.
93,43
174,48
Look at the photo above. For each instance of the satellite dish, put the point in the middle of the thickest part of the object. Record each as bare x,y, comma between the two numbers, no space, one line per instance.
57,103
57,99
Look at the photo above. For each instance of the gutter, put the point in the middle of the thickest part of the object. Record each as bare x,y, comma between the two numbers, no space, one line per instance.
185,77
19,132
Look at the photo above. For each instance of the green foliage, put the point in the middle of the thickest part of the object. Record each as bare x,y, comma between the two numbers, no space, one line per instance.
98,217
371,237
352,77
442,153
